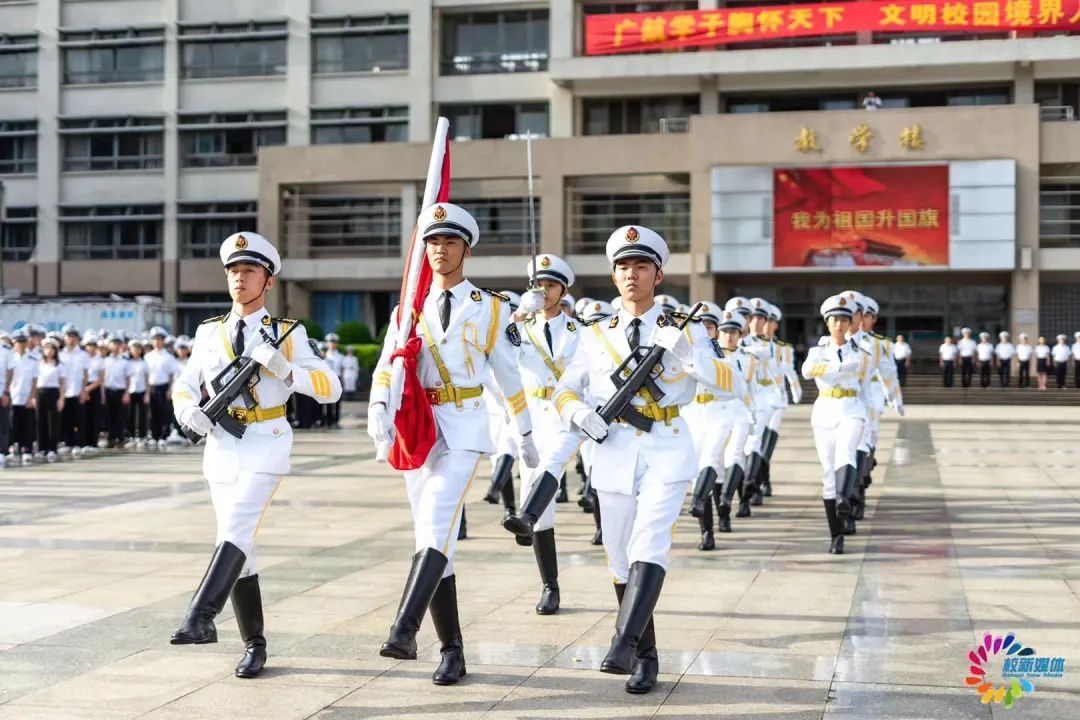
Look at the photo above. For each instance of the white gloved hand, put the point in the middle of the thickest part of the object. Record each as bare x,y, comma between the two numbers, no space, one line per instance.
590,423
379,427
272,359
674,341
532,301
193,418
898,405
529,454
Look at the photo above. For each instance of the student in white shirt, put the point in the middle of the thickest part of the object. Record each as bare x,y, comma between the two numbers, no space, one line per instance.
350,373
50,398
901,353
1076,359
76,362
24,369
5,396
966,347
139,405
985,352
1004,352
96,416
1061,354
947,353
117,378
1042,361
162,369
1024,351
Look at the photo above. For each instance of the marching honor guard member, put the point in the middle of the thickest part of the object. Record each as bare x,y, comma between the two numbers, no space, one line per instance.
466,332
549,341
840,368
767,402
646,452
244,472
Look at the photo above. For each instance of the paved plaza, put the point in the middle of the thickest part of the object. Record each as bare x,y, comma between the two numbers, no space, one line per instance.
973,527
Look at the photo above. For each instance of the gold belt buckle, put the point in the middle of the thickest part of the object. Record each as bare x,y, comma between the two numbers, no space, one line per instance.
239,414
433,396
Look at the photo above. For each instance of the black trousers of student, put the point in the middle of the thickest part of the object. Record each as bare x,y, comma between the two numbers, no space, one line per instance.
22,428
48,419
307,411
901,372
1061,369
137,415
5,429
117,415
1004,373
331,414
160,411
984,373
72,420
1024,374
948,372
95,418
1076,373
967,369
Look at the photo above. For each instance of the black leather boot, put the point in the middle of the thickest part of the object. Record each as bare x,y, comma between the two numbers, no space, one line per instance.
427,569
463,528
500,478
547,560
705,521
541,494
703,488
247,604
444,616
588,497
858,508
646,663
508,497
639,600
770,440
836,528
562,496
766,478
849,525
750,485
598,536
845,485
208,600
724,495
763,481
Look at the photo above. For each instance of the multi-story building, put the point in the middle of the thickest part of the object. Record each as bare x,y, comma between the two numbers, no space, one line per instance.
135,134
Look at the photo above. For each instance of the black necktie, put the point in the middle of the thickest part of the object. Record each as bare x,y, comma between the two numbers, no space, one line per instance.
547,336
635,334
238,341
444,309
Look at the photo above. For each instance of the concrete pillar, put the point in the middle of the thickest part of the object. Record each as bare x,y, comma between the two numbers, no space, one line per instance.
710,96
561,122
702,275
1024,283
171,251
550,188
1023,83
49,251
423,69
562,26
298,76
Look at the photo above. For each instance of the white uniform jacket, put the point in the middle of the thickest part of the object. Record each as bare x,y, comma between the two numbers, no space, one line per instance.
601,349
770,376
841,374
542,368
453,365
786,355
267,444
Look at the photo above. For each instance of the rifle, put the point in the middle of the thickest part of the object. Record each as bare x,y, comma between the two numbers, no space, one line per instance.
629,382
235,380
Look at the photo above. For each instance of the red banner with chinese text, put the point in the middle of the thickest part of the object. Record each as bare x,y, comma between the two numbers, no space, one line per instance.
637,32
896,216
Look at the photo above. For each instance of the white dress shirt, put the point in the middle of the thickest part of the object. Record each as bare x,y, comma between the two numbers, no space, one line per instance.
49,374
161,367
1023,352
1005,351
901,351
966,347
1042,352
1061,353
948,352
117,372
75,362
137,371
24,370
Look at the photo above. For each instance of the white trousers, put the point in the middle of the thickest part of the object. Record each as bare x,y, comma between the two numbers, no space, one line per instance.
836,445
436,495
735,452
556,449
639,527
870,431
763,416
240,504
776,418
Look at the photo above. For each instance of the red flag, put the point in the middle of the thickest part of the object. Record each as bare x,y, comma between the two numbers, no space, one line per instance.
414,420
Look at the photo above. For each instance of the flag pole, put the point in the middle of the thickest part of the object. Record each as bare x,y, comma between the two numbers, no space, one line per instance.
433,187
532,205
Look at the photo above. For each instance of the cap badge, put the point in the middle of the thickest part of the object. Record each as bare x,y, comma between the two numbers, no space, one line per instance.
843,302
632,235
545,262
596,307
727,316
738,303
241,243
439,213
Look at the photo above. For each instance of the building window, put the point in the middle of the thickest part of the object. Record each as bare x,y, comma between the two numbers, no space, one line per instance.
488,122
592,214
203,226
113,56
599,7
193,308
18,147
495,42
19,233
228,139
241,50
18,61
111,232
369,44
359,125
125,143
344,225
619,116
504,224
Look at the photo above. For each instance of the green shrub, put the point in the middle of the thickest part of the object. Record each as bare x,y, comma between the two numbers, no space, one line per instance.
314,329
367,354
354,333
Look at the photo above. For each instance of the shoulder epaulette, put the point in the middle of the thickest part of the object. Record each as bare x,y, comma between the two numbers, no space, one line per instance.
288,321
588,323
880,337
781,343
496,293
215,319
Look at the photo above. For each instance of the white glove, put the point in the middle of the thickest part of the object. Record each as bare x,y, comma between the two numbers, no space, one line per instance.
674,341
532,301
529,454
898,405
379,427
272,359
590,423
194,418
